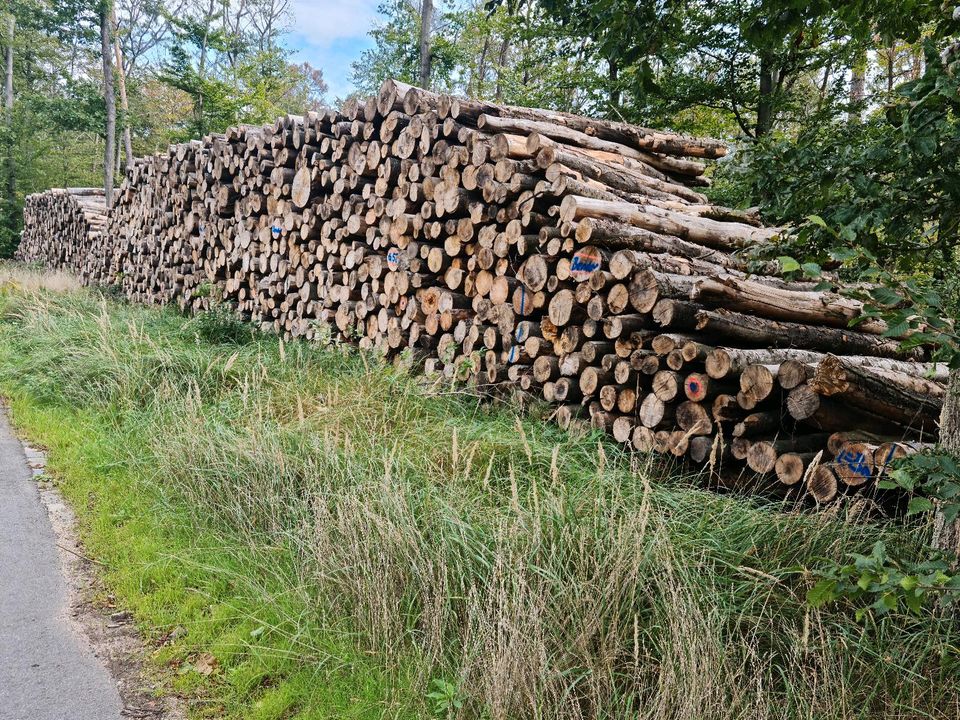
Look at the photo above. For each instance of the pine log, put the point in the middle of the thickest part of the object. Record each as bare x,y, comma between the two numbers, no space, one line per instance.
761,331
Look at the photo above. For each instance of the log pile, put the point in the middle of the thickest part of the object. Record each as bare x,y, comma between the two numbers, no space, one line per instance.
62,226
522,249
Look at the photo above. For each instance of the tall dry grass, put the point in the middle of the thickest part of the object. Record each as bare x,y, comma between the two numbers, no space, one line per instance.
16,277
540,574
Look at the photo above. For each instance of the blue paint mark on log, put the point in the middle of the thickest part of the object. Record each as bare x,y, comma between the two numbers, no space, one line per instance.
581,265
856,462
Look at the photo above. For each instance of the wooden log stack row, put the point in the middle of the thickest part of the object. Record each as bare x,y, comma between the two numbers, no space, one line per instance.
527,249
62,226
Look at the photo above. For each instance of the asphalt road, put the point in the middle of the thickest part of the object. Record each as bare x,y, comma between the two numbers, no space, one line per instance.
47,669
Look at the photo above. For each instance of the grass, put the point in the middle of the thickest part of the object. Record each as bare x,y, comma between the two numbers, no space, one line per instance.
348,541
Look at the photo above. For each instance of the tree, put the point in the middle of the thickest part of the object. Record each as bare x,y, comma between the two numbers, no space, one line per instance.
106,49
889,186
122,87
8,111
506,51
144,27
895,196
267,19
223,61
754,61
395,52
198,40
426,27
946,534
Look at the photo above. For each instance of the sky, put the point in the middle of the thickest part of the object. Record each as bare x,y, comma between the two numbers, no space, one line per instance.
331,34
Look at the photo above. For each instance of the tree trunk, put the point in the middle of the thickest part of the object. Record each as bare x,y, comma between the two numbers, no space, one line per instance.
858,81
475,87
122,87
202,68
426,24
8,87
501,65
946,536
891,57
106,10
765,101
8,110
613,74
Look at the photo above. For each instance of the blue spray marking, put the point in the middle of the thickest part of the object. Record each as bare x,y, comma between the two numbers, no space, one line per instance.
893,449
855,462
584,266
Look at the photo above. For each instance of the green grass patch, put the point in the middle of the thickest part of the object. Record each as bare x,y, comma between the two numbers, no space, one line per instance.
349,541
196,589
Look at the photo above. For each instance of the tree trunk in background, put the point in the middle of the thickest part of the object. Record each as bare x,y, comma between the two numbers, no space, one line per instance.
117,157
8,86
916,69
858,84
765,100
122,87
946,536
202,68
501,62
613,75
106,49
891,59
426,25
8,110
476,82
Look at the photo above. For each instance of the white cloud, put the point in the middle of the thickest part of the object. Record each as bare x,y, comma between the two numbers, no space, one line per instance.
320,22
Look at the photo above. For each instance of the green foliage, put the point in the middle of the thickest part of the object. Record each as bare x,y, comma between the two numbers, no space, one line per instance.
446,698
232,77
58,110
913,307
877,584
891,185
196,43
763,64
927,477
882,583
510,52
395,53
221,325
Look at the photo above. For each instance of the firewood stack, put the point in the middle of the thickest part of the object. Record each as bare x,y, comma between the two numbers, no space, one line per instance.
524,249
60,227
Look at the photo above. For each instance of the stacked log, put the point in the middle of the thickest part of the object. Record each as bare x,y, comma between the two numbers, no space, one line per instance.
523,249
61,226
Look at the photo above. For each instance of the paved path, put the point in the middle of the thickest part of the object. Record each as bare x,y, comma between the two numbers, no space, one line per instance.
47,670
